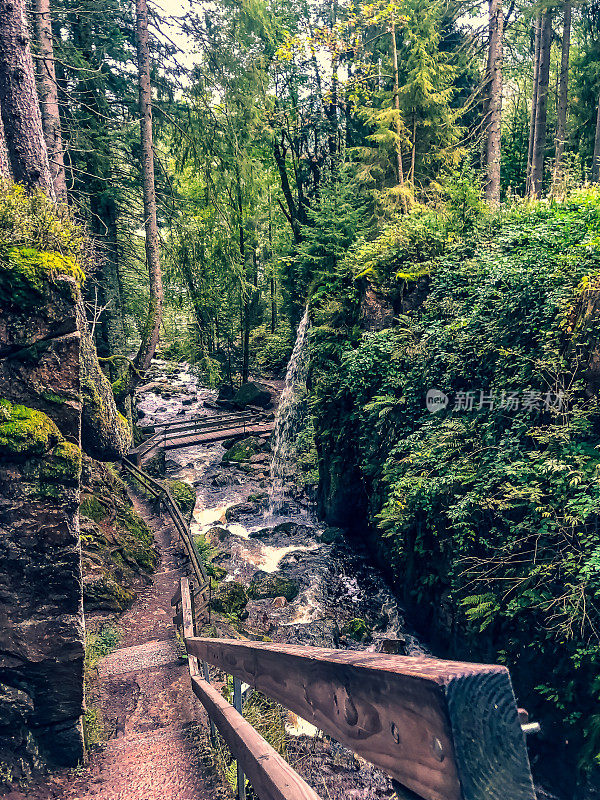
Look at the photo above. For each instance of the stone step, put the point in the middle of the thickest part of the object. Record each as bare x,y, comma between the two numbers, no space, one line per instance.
139,657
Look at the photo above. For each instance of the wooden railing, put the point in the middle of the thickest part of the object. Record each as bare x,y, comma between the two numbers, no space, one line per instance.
201,596
445,730
167,432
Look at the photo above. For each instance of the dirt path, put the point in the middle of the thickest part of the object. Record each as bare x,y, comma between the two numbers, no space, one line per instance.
157,748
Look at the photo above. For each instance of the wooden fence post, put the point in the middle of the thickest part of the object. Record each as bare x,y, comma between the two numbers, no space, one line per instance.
237,704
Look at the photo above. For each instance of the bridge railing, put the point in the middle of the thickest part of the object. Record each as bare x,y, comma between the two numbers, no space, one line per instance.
157,489
445,730
169,431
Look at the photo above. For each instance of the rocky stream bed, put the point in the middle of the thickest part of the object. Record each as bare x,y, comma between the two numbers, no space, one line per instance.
281,577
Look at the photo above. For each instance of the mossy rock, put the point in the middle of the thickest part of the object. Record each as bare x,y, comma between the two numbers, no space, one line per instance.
357,629
25,432
215,571
26,271
264,584
231,598
106,594
332,535
217,534
92,508
184,495
243,450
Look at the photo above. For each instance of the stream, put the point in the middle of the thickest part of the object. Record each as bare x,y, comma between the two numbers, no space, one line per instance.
335,582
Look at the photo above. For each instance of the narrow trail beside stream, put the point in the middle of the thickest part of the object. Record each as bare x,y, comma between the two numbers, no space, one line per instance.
157,748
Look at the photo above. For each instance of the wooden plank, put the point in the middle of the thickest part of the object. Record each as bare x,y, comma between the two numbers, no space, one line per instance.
446,730
271,777
237,704
188,622
204,438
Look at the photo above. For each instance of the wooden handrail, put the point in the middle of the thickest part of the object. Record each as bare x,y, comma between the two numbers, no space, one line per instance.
160,491
270,775
446,730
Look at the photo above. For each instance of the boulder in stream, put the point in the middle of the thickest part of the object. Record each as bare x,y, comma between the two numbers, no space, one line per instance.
230,598
252,394
244,449
265,584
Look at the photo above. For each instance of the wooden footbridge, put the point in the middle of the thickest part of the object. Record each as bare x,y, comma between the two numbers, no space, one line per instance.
202,430
444,730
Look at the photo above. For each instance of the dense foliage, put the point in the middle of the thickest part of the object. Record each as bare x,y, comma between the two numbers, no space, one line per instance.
487,510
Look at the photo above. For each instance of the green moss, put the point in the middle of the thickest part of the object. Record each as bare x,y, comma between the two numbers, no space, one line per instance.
243,450
92,508
265,585
64,465
231,598
107,594
356,629
25,273
25,431
215,571
184,495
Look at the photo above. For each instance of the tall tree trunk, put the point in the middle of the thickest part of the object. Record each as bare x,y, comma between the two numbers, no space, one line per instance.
595,176
20,108
536,72
112,319
539,139
399,169
47,87
494,120
563,94
152,328
273,305
5,172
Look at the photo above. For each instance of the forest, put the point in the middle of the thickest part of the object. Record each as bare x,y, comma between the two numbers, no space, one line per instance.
397,204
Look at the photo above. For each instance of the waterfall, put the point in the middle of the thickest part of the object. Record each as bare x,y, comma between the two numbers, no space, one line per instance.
289,419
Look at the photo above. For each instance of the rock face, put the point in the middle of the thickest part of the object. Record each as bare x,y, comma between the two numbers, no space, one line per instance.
47,366
252,394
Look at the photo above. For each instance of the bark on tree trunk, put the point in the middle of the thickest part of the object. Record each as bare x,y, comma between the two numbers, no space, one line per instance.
399,168
539,139
494,127
273,306
19,104
47,87
563,93
152,328
536,72
5,172
596,157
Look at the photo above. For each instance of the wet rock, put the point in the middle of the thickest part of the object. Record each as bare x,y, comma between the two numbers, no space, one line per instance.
356,629
187,401
217,535
285,534
226,392
332,535
230,598
265,584
220,480
244,449
252,394
260,458
240,511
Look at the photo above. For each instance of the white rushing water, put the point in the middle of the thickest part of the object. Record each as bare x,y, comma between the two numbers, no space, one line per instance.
289,419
